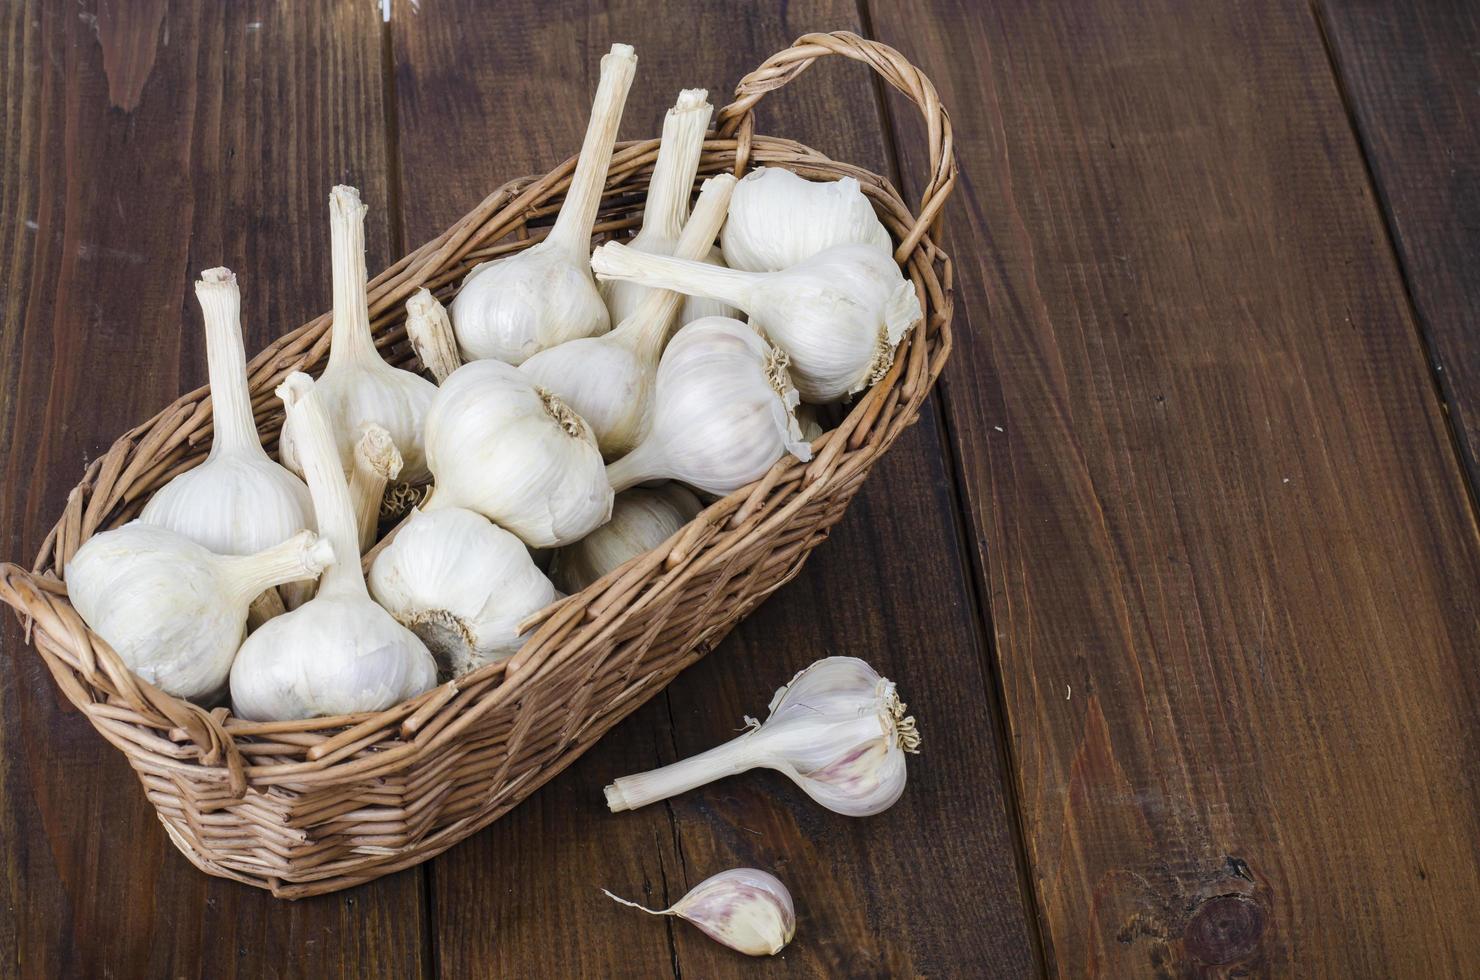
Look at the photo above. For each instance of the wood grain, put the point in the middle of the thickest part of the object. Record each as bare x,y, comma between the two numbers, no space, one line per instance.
140,146
1412,84
1224,538
890,586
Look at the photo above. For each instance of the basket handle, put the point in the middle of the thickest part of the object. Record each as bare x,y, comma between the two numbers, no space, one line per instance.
737,119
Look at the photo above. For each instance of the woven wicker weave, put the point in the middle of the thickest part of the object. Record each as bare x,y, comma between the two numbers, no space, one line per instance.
314,806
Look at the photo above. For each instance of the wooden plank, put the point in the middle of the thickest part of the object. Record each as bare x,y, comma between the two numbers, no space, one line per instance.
1225,542
1410,82
141,145
889,586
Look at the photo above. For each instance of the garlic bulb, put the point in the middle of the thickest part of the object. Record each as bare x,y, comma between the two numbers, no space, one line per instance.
608,380
840,314
641,520
746,909
663,216
778,219
339,652
512,307
430,331
376,463
358,386
722,412
838,731
174,612
460,583
238,501
502,446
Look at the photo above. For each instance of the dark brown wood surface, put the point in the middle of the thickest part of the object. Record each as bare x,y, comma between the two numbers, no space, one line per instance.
1178,572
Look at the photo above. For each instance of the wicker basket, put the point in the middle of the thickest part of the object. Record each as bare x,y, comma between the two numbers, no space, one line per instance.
309,807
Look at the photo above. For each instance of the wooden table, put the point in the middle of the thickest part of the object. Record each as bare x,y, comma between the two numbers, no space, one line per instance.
1179,570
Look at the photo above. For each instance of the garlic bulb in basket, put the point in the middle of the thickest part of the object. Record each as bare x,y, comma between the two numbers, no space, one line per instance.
358,386
239,501
778,219
838,731
608,380
840,314
667,204
722,412
174,612
745,909
339,652
460,583
641,520
512,307
500,445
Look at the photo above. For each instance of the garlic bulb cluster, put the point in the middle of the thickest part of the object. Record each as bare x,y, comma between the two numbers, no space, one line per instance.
722,412
239,501
358,386
745,909
338,653
667,204
502,446
512,307
838,731
376,463
839,314
460,583
173,611
778,219
641,520
608,380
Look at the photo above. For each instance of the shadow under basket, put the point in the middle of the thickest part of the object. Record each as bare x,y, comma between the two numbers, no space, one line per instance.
308,807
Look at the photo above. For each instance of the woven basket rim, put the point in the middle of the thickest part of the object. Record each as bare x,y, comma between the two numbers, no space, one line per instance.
206,747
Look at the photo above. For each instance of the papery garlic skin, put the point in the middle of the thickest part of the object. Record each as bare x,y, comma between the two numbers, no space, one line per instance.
641,520
377,463
722,412
746,909
667,207
513,307
609,380
778,219
810,422
460,583
840,314
429,329
838,731
239,501
174,612
339,653
358,386
501,446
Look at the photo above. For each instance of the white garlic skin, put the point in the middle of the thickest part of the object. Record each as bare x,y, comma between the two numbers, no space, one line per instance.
623,298
746,909
778,219
516,306
460,583
642,519
722,412
174,612
232,505
605,383
503,447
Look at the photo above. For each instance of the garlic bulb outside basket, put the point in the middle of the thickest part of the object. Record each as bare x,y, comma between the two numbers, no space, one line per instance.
641,520
460,583
512,307
608,380
745,909
358,386
838,731
722,412
239,501
839,314
778,219
667,205
338,653
500,445
173,611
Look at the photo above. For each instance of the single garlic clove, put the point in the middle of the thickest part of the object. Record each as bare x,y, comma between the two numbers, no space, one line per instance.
745,909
